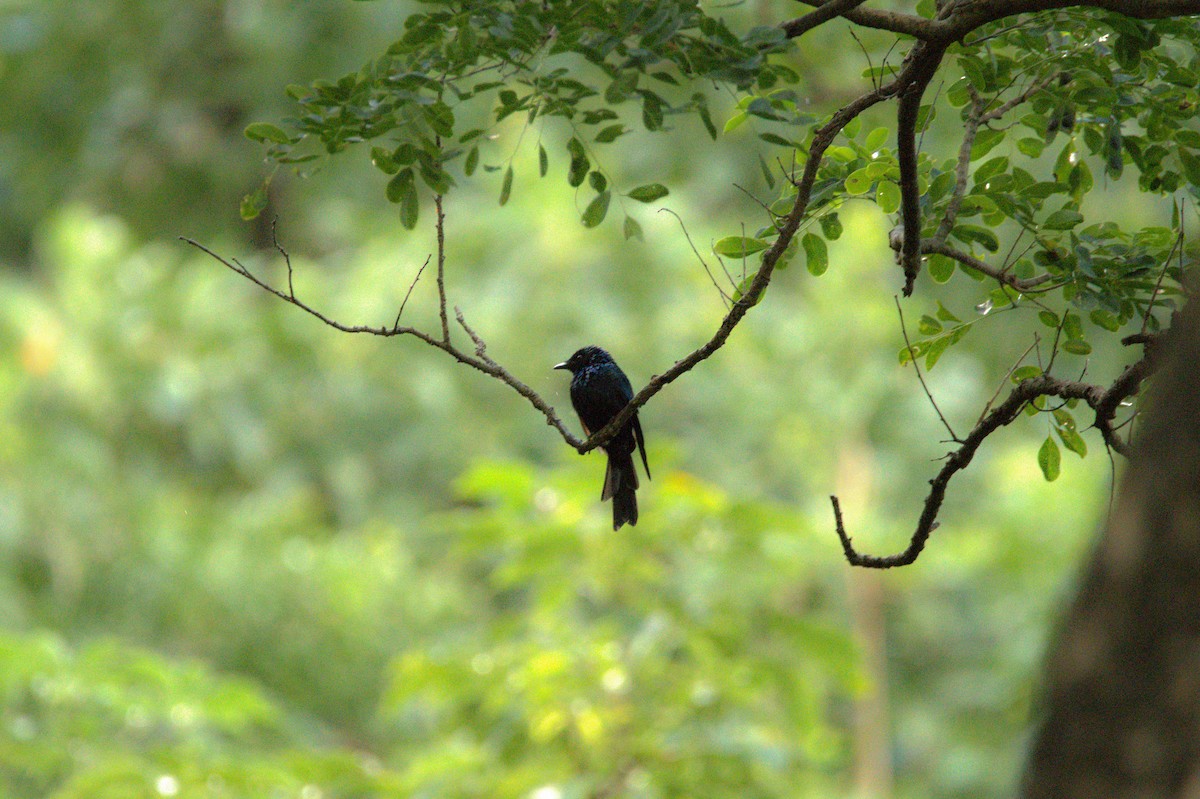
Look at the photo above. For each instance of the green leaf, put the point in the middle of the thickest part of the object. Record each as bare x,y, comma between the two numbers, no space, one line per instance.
937,347
766,172
739,246
1105,319
1077,346
254,202
621,87
1072,326
506,186
396,186
471,162
1049,459
706,117
775,138
652,111
1025,372
410,203
887,196
735,122
543,161
649,193
816,253
580,164
632,229
973,234
943,313
1068,433
434,176
1049,318
859,182
597,181
1031,147
831,225
597,209
941,268
1191,166
1063,220
610,133
875,139
382,160
263,132
928,326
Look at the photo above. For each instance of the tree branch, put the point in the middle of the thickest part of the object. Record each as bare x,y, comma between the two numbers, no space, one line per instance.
441,266
787,231
968,15
824,12
924,60
480,361
1102,401
933,246
907,24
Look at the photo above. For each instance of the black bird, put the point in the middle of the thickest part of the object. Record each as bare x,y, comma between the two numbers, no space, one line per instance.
599,390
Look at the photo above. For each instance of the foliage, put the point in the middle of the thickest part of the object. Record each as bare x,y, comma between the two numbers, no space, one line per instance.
477,63
496,637
139,106
231,540
107,720
1111,92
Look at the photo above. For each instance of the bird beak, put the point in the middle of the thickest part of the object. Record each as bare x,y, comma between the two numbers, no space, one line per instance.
562,365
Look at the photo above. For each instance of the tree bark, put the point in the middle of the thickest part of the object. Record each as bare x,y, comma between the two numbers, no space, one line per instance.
1122,709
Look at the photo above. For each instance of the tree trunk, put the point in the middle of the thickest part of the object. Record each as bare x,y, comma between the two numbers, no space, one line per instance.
1122,708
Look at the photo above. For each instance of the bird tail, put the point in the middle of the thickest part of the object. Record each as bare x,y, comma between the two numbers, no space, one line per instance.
620,485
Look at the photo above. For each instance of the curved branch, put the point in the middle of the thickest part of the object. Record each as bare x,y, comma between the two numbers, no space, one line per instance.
1102,401
480,360
925,60
787,231
968,15
824,12
907,24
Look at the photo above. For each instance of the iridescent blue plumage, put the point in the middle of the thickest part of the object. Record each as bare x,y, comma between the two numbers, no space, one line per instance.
599,390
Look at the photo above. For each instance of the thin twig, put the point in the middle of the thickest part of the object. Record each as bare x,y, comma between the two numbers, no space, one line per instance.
483,363
441,266
408,293
912,357
1007,375
287,259
1178,245
725,298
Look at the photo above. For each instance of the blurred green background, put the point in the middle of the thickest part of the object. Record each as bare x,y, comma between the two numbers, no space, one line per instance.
245,555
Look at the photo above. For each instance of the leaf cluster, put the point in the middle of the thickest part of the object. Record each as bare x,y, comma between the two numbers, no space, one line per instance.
441,92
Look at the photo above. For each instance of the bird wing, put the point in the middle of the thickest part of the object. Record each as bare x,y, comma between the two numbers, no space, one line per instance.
641,442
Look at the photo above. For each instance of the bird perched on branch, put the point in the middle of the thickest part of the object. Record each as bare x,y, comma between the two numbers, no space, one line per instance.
599,390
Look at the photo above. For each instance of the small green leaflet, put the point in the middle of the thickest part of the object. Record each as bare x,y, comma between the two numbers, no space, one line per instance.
817,254
597,209
506,187
263,132
254,203
649,193
1050,459
887,196
739,246
632,229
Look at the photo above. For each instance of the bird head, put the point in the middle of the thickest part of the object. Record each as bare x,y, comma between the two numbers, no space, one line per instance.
583,358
